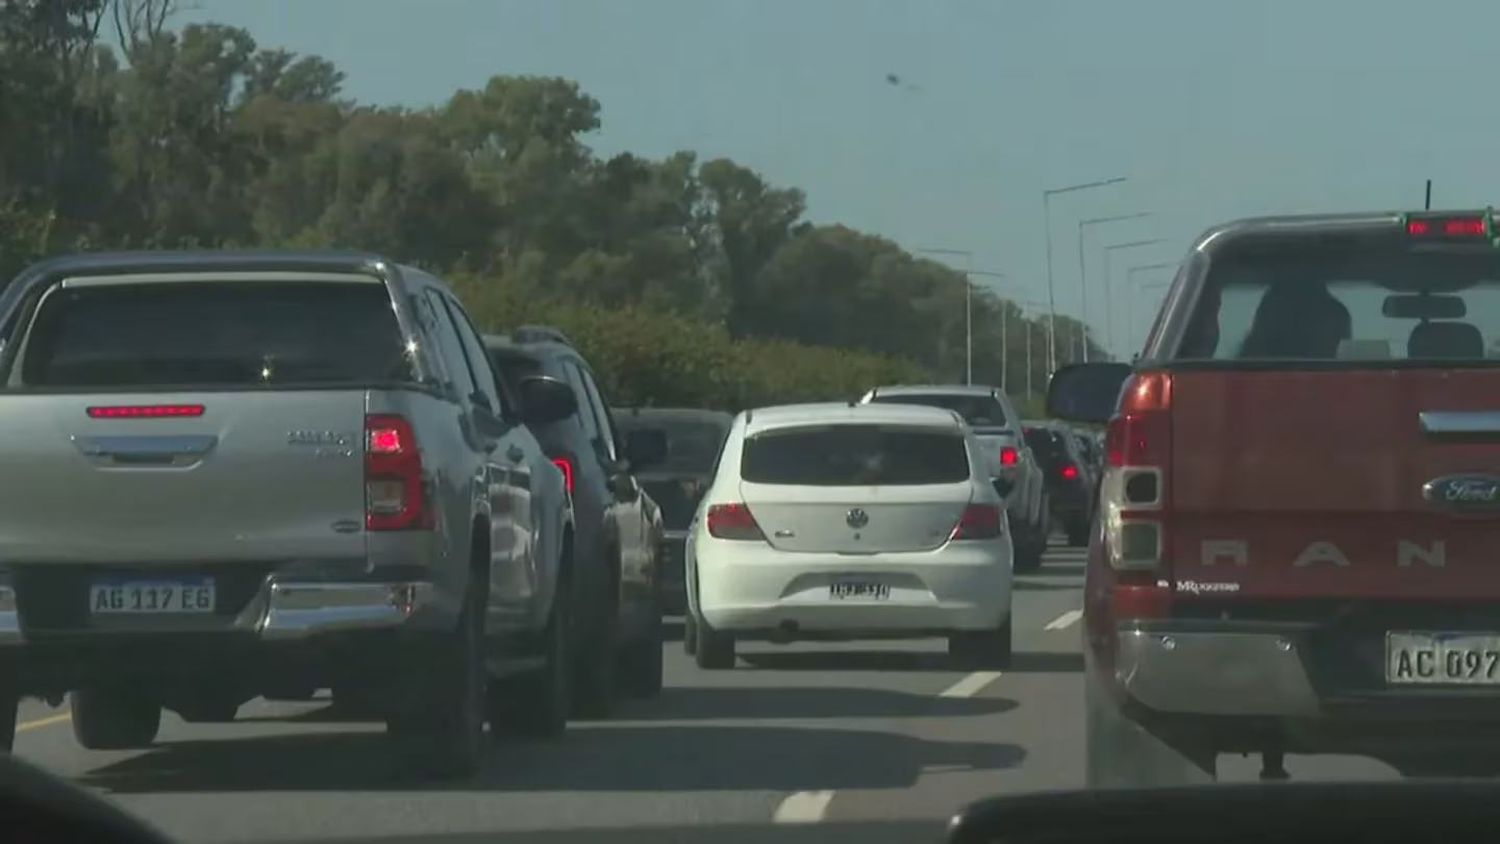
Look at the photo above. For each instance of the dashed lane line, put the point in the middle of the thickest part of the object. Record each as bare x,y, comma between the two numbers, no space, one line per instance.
970,685
803,807
43,722
1065,620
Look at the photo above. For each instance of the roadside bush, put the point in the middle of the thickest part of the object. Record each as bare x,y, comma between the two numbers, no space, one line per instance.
646,357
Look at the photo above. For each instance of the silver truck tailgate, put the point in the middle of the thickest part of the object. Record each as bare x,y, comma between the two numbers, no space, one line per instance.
256,476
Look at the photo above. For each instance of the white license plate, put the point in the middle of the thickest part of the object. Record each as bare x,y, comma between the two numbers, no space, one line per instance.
1471,659
151,597
870,590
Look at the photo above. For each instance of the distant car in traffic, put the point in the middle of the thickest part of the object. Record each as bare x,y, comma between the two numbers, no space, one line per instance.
839,521
1008,458
618,528
1071,477
693,438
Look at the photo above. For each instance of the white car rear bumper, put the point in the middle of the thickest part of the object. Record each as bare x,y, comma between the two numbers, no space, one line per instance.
749,588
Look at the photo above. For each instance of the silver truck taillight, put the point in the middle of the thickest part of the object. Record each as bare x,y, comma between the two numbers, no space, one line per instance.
395,493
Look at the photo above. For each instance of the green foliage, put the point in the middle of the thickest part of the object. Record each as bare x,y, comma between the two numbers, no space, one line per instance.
687,282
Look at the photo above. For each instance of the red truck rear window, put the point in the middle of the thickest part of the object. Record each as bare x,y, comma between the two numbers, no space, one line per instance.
1343,305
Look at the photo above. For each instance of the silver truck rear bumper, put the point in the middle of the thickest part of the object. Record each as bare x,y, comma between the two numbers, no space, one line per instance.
291,611
1214,672
301,610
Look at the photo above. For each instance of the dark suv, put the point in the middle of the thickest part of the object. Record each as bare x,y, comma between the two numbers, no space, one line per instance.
694,438
618,526
1072,478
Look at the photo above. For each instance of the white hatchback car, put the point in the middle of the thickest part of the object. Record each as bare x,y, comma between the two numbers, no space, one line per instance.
837,521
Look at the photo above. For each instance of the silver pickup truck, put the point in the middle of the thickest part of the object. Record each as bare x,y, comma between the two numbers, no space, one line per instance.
227,474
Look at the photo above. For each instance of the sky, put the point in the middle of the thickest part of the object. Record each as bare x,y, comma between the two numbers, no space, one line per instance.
1210,109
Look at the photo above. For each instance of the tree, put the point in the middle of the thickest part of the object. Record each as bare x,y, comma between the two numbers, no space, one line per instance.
753,220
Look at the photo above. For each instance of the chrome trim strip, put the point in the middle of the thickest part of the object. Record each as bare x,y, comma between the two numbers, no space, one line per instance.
1459,421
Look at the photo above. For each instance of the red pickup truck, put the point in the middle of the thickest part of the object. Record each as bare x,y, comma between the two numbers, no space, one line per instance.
1297,546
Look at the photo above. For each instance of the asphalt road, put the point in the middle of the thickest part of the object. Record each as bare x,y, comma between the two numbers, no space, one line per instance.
869,742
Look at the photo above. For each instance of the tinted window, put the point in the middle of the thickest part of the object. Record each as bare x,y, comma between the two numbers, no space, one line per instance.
586,413
978,411
475,357
1332,302
601,412
692,444
208,333
855,455
513,368
440,331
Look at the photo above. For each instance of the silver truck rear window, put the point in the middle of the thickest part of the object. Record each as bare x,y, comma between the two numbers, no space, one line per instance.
855,455
205,334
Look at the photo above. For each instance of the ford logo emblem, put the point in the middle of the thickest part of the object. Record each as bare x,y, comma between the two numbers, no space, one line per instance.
857,518
1475,492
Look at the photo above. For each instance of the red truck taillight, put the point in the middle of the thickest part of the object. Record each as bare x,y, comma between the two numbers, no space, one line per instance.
395,495
1133,495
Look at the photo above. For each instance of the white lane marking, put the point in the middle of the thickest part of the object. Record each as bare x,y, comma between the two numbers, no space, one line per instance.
43,722
1065,620
971,684
803,807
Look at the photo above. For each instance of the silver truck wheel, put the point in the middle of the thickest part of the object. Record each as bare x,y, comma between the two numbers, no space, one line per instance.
114,719
1120,753
537,703
442,735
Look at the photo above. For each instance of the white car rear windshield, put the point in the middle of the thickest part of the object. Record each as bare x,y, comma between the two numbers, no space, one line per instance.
855,455
215,334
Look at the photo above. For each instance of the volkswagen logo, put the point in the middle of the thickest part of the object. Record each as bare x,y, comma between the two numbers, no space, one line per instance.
1465,492
857,518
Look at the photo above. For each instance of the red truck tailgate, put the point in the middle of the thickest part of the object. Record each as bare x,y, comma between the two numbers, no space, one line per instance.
1309,484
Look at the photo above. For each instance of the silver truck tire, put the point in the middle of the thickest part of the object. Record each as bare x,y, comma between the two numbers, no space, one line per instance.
537,703
441,734
114,719
1120,753
982,648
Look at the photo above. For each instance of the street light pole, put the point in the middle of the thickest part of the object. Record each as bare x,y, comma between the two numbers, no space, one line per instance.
968,307
1130,282
1051,287
1109,323
1083,274
1004,321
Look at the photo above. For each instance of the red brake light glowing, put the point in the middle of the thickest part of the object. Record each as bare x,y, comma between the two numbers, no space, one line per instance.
733,521
1463,228
395,491
1070,472
565,466
146,411
1009,456
979,521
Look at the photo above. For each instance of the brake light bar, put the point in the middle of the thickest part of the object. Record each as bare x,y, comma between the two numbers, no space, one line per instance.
146,411
1449,226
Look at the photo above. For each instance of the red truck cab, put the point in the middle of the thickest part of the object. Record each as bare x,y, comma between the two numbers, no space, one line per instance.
1297,547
